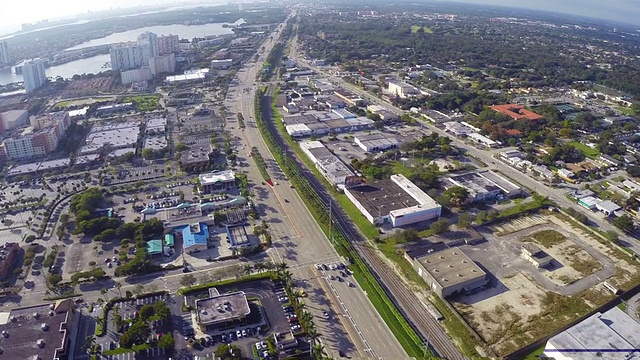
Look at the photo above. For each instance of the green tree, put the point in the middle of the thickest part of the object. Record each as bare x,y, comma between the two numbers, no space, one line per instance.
167,343
440,226
117,320
457,195
146,311
465,220
162,310
188,280
624,223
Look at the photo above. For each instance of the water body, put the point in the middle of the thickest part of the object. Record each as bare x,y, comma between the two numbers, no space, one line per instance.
183,31
95,64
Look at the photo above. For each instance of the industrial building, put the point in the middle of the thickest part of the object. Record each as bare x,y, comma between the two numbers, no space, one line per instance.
376,142
38,167
188,76
116,135
609,335
222,310
449,272
334,170
321,123
221,64
156,126
396,201
39,332
217,181
483,185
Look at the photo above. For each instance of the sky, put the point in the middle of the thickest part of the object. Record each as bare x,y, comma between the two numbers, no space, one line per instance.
15,12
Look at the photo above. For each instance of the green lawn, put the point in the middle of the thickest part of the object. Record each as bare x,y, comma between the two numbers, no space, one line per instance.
144,102
587,151
119,350
427,30
625,110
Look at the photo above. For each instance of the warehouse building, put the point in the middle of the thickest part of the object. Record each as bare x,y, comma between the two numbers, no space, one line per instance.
449,272
334,170
222,310
396,201
609,335
484,185
376,142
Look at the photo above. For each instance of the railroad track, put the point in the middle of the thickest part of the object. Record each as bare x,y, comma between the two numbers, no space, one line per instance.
407,302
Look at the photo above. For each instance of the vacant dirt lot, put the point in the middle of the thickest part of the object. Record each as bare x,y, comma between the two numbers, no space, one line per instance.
523,304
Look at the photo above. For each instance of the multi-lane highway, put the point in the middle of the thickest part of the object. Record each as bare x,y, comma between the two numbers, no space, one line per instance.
355,328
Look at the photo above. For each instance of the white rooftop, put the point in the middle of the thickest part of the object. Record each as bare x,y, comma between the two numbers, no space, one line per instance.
610,335
219,176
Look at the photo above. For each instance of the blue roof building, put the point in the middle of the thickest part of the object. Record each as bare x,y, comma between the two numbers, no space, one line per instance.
195,237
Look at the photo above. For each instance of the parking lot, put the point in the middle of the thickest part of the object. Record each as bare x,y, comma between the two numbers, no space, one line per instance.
272,314
128,310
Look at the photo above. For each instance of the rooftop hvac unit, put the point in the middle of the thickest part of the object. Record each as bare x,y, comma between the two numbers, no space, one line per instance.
51,313
35,315
5,333
44,327
40,343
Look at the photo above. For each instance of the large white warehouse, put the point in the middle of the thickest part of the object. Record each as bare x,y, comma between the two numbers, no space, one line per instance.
396,201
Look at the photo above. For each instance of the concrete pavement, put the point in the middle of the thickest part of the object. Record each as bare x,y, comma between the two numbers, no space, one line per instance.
299,240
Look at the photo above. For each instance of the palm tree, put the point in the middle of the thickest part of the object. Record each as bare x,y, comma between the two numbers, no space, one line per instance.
118,286
312,336
88,343
280,267
287,280
297,296
302,306
318,352
104,292
247,269
259,266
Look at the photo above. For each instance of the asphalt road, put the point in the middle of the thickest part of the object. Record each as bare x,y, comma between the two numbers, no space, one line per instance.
299,241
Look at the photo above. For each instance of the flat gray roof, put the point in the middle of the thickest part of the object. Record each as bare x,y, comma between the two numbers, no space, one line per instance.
155,142
222,308
24,330
451,267
381,197
609,335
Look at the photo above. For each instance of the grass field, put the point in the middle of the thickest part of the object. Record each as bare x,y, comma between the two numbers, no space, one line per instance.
625,110
427,30
587,151
144,102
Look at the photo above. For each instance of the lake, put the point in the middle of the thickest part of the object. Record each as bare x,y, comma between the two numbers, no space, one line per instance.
94,64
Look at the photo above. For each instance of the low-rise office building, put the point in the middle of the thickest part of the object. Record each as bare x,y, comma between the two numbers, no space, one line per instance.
217,181
195,237
396,201
222,310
